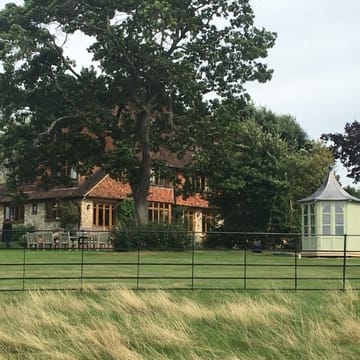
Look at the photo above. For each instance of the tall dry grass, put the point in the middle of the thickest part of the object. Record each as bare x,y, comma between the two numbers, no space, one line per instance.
127,325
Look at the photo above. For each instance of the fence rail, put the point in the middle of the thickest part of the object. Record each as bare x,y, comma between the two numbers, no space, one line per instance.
282,265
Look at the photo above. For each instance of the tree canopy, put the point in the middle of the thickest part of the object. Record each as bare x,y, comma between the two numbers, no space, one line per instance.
258,166
346,148
155,60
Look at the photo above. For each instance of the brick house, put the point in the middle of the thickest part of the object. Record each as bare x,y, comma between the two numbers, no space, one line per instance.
97,198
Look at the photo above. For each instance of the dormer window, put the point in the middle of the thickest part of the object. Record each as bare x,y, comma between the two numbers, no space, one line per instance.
156,178
67,171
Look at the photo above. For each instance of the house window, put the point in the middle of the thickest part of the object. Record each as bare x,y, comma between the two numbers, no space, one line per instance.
14,213
67,171
104,215
34,208
189,219
52,211
156,178
199,184
159,212
208,220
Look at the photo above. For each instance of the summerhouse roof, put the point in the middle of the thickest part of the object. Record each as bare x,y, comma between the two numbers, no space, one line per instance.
330,190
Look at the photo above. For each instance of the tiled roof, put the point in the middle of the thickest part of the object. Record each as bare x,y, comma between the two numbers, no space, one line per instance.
108,188
101,185
33,193
161,194
192,201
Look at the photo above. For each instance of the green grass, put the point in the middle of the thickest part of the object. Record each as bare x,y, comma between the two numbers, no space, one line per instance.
209,325
31,269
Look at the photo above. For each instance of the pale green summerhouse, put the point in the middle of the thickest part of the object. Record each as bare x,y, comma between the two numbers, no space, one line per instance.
328,215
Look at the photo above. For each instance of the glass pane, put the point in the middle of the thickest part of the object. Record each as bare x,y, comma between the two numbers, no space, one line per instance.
312,230
339,219
339,208
326,230
312,209
326,208
339,230
326,219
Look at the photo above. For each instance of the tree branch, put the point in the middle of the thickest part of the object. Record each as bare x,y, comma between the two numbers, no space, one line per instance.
52,126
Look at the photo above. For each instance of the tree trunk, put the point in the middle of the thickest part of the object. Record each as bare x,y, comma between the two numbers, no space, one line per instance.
140,184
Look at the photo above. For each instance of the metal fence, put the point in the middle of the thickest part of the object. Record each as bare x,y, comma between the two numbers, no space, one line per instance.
250,261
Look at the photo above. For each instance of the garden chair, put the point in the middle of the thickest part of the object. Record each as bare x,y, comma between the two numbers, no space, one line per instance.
44,239
31,242
64,240
102,240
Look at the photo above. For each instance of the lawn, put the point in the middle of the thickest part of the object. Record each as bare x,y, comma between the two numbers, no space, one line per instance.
201,269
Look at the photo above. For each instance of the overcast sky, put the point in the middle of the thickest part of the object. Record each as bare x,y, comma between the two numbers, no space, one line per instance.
315,61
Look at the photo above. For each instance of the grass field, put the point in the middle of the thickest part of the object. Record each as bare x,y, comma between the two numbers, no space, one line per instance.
126,325
209,269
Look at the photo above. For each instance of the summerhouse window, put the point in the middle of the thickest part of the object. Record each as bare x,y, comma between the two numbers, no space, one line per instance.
326,219
339,219
333,219
309,219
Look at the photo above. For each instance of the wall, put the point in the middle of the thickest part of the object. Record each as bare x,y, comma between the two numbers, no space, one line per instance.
86,213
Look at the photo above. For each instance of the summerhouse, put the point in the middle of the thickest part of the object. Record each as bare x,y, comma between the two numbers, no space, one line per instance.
328,215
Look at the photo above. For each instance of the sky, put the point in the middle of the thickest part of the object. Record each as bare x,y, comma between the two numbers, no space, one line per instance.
316,75
315,60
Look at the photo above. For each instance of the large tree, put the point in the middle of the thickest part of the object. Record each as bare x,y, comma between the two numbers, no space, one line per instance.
155,62
346,148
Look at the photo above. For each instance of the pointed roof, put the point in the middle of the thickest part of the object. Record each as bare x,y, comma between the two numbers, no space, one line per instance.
330,190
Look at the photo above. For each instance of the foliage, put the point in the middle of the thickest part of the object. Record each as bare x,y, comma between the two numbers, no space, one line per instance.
153,236
70,216
283,125
125,212
19,232
258,166
154,61
346,148
352,191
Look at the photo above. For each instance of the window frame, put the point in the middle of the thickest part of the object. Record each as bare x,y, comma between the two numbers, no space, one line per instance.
16,213
159,212
104,214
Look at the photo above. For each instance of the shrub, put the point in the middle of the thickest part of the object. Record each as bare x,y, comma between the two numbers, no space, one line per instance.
19,233
153,236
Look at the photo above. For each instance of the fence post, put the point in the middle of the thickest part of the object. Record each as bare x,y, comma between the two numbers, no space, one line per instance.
245,260
297,251
344,264
82,268
193,262
24,261
138,267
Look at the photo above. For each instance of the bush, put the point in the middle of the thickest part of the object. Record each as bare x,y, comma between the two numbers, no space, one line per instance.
223,240
19,233
153,236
